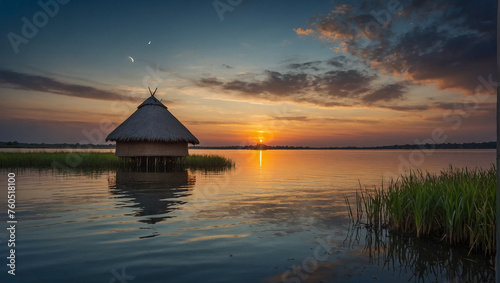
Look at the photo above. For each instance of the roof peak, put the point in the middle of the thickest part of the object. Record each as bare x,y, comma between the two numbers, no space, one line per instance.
152,93
152,100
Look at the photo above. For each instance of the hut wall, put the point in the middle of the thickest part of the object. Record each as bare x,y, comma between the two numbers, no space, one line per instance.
129,149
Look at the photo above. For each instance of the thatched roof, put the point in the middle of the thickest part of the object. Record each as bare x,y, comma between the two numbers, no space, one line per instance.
152,122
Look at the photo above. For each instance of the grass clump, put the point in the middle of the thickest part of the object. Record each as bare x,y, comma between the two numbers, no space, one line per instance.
60,160
457,206
206,161
98,161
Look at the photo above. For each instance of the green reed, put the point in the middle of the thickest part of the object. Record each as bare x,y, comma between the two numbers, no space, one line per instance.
457,206
95,161
59,160
197,161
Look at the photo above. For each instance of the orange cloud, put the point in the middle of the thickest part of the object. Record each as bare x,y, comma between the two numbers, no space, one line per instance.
302,31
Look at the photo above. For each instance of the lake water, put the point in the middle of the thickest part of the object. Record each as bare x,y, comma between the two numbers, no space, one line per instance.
278,216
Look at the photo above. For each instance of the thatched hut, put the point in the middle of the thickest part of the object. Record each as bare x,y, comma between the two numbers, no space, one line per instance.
152,131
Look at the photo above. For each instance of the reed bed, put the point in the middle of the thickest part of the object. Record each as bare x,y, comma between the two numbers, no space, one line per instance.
96,161
205,161
456,206
59,160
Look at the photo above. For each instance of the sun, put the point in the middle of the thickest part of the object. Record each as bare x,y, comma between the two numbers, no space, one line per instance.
260,137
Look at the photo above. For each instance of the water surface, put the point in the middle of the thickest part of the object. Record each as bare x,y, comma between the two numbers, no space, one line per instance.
278,216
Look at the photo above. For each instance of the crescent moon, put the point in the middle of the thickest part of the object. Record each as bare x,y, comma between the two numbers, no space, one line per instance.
131,59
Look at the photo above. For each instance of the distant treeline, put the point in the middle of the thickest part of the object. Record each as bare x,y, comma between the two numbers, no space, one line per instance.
470,145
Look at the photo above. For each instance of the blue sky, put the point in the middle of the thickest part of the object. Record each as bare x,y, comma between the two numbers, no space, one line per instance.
322,73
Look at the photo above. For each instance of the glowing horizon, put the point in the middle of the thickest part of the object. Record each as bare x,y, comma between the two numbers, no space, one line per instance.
263,74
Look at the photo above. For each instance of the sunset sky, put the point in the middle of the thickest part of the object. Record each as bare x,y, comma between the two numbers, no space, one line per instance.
311,73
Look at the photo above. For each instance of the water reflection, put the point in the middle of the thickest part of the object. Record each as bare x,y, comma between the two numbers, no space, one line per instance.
367,254
153,194
260,158
422,260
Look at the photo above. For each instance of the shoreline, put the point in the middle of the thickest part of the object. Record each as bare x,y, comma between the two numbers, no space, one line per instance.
426,146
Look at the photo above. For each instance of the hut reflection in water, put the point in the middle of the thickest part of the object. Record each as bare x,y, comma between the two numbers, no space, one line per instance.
154,194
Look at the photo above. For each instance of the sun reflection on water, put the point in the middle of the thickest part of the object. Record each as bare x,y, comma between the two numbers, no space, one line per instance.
260,159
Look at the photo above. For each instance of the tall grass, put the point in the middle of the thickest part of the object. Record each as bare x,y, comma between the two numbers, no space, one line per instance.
208,161
59,160
97,161
457,206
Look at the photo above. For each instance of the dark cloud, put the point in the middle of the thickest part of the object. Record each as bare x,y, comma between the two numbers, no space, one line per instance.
406,108
338,61
445,105
465,106
209,82
454,62
276,83
350,83
447,42
23,81
328,89
386,93
244,87
313,65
